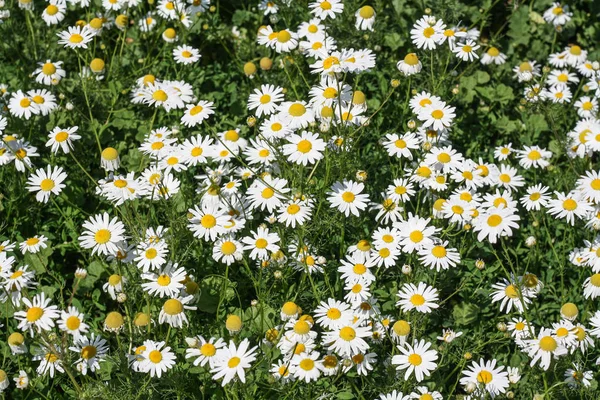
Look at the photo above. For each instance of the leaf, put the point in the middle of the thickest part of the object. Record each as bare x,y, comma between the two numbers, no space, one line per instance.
394,41
518,29
94,270
211,290
465,313
345,395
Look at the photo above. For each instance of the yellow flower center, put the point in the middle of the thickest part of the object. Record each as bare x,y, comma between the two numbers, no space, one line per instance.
417,299
297,110
428,32
261,243
366,12
47,185
160,95
88,352
494,220
208,221
511,291
208,350
493,52
439,252
76,38
484,377
416,236
48,69
164,280
348,197
548,343
34,314
102,236
569,204
172,307
304,146
415,359
73,323
283,36
196,110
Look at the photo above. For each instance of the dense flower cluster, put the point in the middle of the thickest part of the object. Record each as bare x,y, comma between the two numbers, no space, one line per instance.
375,306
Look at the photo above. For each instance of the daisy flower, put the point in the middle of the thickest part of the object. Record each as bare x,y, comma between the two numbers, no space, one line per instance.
49,72
173,311
185,54
102,234
62,138
401,145
208,221
536,197
486,377
204,351
227,250
438,115
422,298
410,65
232,361
304,149
493,56
46,182
306,366
38,314
295,212
21,106
71,321
333,314
267,193
544,348
569,206
495,223
324,9
157,359
261,242
266,100
196,113
296,114
365,18
347,340
347,198
439,256
91,351
558,14
167,282
426,32
33,244
416,358
75,37
466,51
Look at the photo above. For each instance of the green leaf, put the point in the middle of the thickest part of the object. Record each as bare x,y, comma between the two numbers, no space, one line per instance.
211,289
465,313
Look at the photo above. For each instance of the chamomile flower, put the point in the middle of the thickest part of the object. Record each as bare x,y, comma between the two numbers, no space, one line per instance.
261,242
232,361
401,145
91,351
46,182
71,321
333,314
486,377
49,72
534,157
62,138
266,100
173,311
416,358
208,221
558,14
227,250
439,256
324,9
167,282
493,56
365,18
569,206
38,315
306,148
157,359
33,244
295,212
438,115
422,298
410,65
203,351
544,348
536,197
495,223
347,197
426,32
466,51
186,54
196,113
347,340
75,37
102,234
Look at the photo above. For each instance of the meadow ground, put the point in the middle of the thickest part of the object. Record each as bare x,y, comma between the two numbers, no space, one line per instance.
312,199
